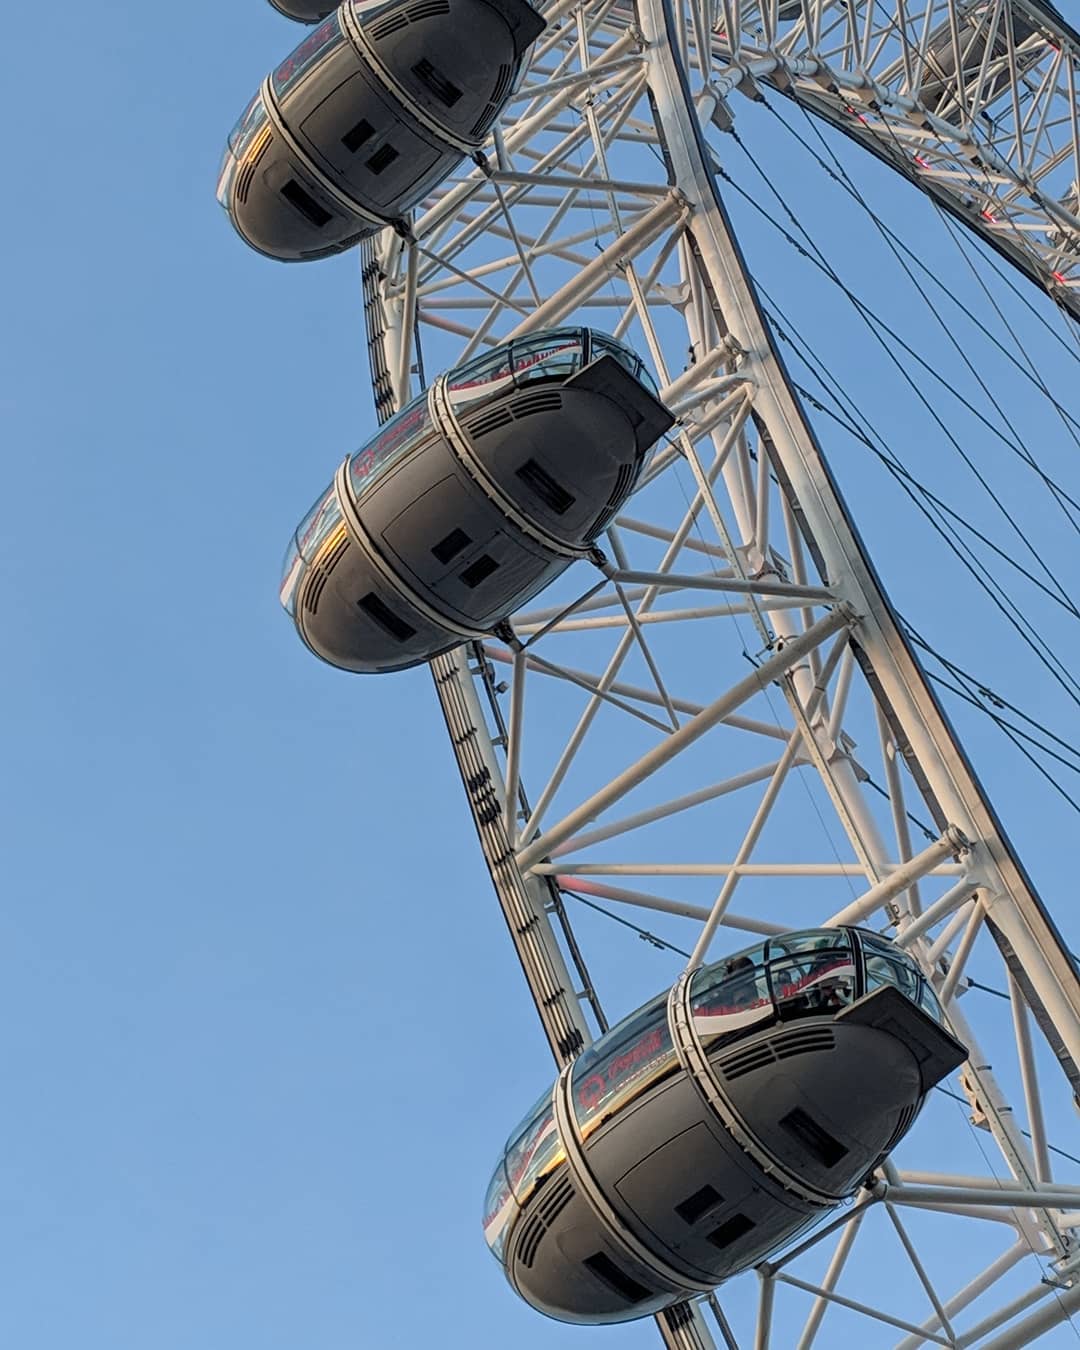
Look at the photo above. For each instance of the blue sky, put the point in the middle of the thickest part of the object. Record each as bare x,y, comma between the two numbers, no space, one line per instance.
263,1032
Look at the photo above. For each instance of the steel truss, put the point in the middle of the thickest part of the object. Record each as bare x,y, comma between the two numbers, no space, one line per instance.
658,758
975,101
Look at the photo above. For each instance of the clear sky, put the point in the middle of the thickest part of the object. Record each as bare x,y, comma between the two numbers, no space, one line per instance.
263,1033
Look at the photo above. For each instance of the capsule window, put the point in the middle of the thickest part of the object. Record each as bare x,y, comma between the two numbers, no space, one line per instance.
451,546
818,1142
385,617
444,90
694,1206
730,1231
308,207
552,494
382,158
357,135
607,1272
479,571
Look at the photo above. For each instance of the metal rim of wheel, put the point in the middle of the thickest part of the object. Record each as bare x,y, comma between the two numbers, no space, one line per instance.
759,544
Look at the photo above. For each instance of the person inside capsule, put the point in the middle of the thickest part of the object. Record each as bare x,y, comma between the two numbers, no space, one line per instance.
708,1129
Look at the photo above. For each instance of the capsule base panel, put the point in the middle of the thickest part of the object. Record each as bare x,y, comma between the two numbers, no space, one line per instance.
696,1197
351,618
562,1262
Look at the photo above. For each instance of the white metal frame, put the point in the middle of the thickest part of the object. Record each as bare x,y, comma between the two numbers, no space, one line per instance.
559,220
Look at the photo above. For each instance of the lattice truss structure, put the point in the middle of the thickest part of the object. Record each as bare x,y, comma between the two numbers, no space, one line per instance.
974,100
694,728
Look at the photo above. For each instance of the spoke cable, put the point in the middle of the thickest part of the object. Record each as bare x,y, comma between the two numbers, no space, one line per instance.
863,431
877,325
897,246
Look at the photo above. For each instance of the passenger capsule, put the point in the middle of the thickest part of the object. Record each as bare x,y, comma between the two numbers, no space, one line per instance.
472,499
712,1126
374,109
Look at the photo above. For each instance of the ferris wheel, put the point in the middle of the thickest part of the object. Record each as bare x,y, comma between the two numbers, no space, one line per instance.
598,506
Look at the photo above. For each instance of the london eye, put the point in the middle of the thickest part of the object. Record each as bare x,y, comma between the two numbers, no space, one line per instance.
601,503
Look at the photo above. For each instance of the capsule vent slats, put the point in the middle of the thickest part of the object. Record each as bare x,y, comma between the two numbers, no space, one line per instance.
536,401
246,175
622,486
505,79
531,1234
746,1061
907,1115
556,1199
314,590
548,1209
387,26
320,574
243,181
482,423
482,125
502,84
797,1041
427,9
619,493
802,1040
525,405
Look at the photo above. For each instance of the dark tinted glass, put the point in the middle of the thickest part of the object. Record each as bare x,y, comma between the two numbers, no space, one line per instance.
556,353
621,1065
886,970
534,1150
928,1001
809,940
317,524
500,1211
815,983
401,434
250,122
602,345
312,50
291,569
730,995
